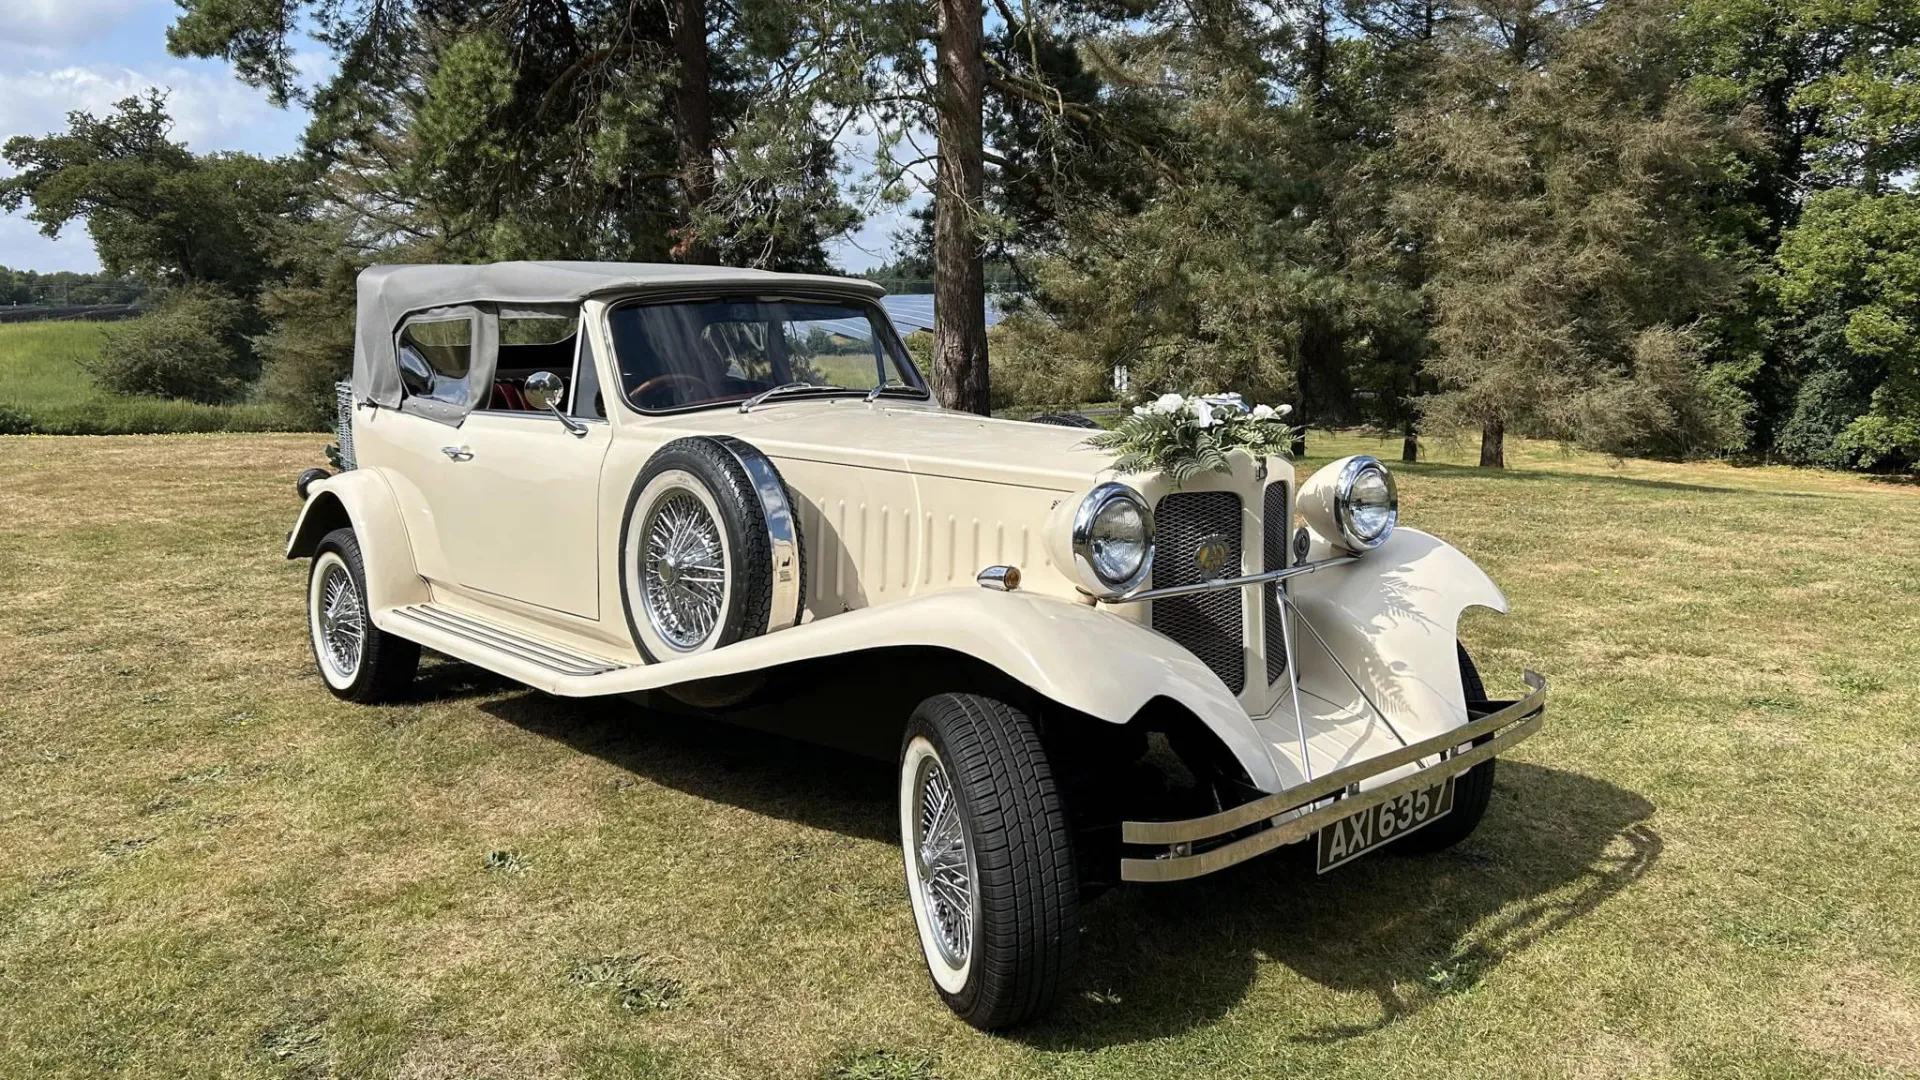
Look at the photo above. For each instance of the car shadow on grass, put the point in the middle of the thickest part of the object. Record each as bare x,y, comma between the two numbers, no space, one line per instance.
1404,931
1401,932
767,773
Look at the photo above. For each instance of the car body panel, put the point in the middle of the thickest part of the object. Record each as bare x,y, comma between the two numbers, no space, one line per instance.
1389,621
366,499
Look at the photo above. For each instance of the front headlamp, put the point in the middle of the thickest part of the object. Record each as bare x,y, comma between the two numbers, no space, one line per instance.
1112,540
1352,503
1365,504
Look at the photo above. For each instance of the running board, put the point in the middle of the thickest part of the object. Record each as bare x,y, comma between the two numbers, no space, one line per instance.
491,646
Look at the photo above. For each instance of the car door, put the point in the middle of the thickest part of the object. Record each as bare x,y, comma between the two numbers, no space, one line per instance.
518,508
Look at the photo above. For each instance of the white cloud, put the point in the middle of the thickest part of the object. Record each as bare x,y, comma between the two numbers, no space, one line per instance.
210,109
65,22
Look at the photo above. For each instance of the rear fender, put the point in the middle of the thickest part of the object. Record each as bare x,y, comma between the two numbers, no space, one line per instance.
1391,618
362,499
1085,659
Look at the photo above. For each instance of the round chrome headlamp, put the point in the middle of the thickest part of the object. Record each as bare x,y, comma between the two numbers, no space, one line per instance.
1365,504
1112,540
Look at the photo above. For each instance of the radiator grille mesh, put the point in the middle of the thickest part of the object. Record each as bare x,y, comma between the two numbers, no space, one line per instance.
1275,526
1207,624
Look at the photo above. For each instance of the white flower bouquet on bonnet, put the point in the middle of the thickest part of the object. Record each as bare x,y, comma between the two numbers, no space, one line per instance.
1185,436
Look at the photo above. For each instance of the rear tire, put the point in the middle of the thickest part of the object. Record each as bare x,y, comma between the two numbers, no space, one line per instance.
357,660
1472,791
1005,856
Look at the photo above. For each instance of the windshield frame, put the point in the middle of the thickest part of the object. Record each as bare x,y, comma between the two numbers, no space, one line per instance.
876,316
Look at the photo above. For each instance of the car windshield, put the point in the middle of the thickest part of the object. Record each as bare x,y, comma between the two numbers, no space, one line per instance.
707,352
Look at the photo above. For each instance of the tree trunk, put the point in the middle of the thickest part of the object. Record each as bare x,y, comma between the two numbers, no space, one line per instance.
693,134
1410,444
1493,444
959,274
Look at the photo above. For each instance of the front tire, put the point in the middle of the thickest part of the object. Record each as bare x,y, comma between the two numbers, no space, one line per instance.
989,860
1472,791
357,660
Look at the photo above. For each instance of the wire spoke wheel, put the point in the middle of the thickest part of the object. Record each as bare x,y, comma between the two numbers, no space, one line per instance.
683,570
940,854
343,621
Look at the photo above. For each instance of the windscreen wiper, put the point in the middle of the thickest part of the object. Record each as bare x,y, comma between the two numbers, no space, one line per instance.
788,388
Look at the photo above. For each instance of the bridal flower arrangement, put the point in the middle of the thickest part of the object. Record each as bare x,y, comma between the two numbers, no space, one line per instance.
1185,436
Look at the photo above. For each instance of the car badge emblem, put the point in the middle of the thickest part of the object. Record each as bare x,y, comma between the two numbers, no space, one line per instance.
1210,557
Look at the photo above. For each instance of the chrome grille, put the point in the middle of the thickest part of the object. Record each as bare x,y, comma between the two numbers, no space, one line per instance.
1275,528
1207,624
343,422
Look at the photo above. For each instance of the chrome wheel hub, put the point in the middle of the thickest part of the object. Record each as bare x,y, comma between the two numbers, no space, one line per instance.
940,856
683,574
343,621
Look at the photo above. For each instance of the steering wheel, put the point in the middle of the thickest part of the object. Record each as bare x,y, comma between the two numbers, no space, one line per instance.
661,382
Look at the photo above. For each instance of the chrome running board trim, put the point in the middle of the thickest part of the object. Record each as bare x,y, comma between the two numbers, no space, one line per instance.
520,646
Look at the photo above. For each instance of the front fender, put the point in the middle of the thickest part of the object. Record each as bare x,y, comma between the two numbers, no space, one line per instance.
1078,656
1391,619
362,500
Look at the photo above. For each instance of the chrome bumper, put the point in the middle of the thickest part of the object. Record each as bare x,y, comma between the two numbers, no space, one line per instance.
1507,726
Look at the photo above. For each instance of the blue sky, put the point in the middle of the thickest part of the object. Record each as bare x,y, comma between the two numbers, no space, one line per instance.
57,56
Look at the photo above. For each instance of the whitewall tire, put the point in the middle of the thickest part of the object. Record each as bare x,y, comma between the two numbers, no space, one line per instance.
989,860
357,660
710,552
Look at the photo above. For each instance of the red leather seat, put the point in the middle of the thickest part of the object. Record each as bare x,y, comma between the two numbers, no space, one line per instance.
507,396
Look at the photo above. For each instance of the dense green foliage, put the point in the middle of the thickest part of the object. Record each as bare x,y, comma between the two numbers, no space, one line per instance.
46,389
1667,227
190,347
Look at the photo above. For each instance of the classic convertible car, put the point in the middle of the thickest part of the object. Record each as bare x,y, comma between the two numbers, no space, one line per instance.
716,484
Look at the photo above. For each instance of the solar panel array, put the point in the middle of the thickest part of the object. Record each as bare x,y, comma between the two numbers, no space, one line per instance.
914,311
909,312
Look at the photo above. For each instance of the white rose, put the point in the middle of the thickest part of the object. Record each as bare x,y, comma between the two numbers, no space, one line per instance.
1283,410
1202,414
1141,410
1169,404
1263,412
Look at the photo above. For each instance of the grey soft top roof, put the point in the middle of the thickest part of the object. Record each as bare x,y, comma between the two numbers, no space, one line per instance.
387,294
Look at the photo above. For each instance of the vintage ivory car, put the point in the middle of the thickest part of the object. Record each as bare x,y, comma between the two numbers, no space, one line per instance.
604,479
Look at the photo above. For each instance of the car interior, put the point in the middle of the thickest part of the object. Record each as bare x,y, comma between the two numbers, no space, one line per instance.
517,362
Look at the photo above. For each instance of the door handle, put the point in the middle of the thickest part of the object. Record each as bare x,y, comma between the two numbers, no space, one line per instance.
457,453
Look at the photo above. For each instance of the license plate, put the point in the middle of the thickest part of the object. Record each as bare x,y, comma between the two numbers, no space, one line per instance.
1351,837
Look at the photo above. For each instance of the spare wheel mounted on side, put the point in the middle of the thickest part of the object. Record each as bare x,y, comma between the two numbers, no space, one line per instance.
710,551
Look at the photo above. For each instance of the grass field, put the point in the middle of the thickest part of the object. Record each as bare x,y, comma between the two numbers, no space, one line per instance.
41,378
1707,865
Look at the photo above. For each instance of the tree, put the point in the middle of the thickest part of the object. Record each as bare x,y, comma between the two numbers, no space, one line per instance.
1832,86
1563,170
959,270
479,130
1852,263
155,209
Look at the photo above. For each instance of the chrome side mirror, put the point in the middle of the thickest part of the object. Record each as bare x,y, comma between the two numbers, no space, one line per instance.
544,390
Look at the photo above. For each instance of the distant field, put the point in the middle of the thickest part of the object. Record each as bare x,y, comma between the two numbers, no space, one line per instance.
41,378
1705,865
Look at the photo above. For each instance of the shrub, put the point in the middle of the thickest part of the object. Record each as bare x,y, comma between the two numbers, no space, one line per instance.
1036,369
192,346
14,422
1824,408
